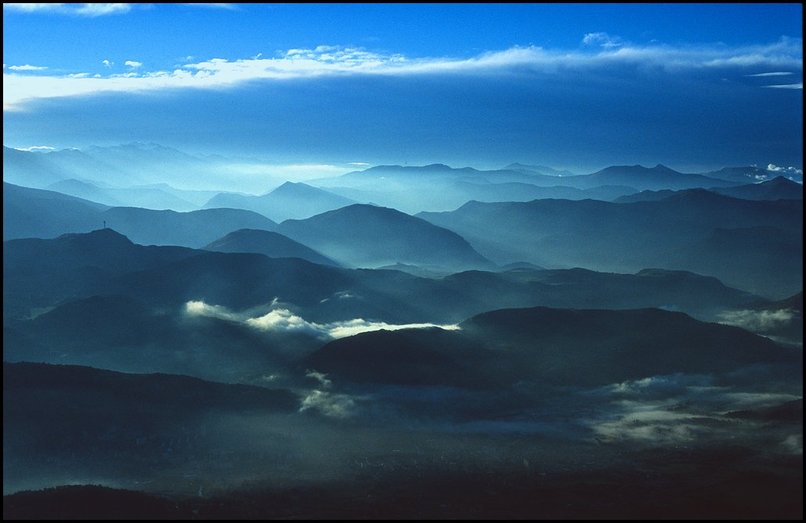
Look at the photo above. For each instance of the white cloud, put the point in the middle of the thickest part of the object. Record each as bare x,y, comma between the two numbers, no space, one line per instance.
36,148
322,61
774,73
102,9
328,403
785,86
788,170
107,63
27,67
283,320
132,64
228,7
602,39
90,9
757,321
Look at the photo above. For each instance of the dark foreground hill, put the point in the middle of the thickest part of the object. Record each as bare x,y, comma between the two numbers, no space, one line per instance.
557,346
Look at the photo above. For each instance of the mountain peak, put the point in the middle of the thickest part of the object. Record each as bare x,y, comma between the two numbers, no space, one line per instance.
105,236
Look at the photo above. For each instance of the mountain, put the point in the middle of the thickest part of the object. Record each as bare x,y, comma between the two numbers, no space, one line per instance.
271,244
289,201
524,192
147,197
124,334
566,347
47,273
412,357
435,187
764,259
589,347
67,423
188,229
118,166
31,213
366,236
780,320
672,233
538,169
777,188
28,169
647,178
40,273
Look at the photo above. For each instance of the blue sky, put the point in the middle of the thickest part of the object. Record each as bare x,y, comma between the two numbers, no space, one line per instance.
577,86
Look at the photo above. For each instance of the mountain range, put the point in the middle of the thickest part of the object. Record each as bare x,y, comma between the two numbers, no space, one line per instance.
289,201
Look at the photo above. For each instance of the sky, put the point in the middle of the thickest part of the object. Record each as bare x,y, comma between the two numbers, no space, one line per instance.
573,86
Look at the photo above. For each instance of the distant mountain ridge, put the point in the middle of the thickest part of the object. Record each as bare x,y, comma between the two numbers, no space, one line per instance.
30,213
288,201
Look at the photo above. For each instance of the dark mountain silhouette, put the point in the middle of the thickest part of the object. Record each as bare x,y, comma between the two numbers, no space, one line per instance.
572,346
63,422
776,189
365,235
121,333
701,296
672,233
271,244
49,272
289,201
406,357
567,347
90,502
41,273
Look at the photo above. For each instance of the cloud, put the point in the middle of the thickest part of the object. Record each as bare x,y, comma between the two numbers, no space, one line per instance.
132,64
676,408
35,148
602,39
89,10
227,7
757,321
280,319
328,61
788,170
27,67
107,63
328,403
785,86
774,73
